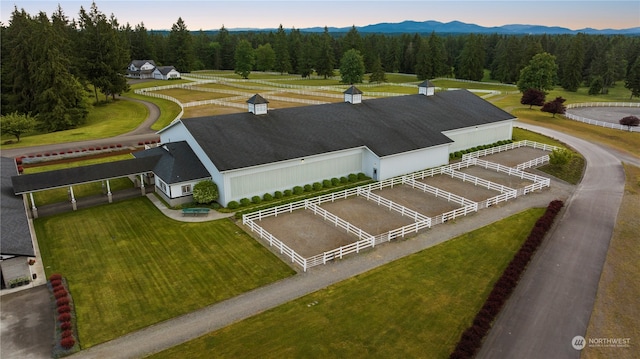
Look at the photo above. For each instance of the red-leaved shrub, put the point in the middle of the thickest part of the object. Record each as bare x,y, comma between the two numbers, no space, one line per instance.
62,301
64,317
65,325
56,283
66,333
67,342
64,309
55,276
60,293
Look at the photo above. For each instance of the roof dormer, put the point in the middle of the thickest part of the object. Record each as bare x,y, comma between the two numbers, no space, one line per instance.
257,105
426,88
353,95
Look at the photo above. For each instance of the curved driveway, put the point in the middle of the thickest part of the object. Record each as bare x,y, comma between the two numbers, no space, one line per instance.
141,133
555,297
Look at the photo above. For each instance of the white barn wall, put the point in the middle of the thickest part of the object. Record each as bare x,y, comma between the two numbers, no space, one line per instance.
280,176
479,135
403,163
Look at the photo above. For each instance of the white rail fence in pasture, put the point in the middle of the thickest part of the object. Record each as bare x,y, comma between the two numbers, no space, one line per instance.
605,124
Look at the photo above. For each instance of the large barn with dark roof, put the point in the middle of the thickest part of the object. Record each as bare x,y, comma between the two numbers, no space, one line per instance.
263,151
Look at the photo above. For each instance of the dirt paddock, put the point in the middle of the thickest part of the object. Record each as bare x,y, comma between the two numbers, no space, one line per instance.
310,234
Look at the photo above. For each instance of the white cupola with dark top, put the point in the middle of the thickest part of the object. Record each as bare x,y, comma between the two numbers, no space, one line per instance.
353,95
258,105
426,88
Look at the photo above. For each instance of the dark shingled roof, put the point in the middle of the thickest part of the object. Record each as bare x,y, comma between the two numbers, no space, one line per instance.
352,91
387,126
14,226
426,83
165,69
92,173
177,163
257,99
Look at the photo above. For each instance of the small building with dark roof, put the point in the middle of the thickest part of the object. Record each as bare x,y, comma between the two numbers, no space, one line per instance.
258,152
16,245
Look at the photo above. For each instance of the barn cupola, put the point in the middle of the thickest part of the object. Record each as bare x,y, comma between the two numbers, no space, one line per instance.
353,95
426,88
257,105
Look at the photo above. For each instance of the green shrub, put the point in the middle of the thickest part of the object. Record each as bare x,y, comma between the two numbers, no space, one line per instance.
245,202
298,190
362,176
335,181
277,194
233,205
458,154
353,177
344,179
308,188
267,197
256,199
327,184
316,186
288,192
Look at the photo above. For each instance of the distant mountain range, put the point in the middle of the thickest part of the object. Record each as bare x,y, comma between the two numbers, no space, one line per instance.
457,27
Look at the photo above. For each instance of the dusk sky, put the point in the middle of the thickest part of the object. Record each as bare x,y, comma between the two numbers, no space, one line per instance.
213,14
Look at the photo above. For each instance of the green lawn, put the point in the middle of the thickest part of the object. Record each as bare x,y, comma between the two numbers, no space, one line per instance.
415,307
128,266
104,120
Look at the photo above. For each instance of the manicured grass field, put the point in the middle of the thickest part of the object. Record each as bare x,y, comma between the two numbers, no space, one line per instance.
104,120
128,266
415,307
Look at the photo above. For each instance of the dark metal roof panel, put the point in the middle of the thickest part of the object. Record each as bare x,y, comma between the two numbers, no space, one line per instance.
69,176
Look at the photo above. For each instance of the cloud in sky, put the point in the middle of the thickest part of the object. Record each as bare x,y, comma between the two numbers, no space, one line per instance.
212,14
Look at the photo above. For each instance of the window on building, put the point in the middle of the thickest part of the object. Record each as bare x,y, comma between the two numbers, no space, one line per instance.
186,189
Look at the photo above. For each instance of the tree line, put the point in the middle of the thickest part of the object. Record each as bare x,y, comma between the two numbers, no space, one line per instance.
52,64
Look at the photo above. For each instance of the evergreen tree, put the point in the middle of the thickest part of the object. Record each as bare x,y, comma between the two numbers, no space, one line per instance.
245,59
540,74
283,63
572,67
227,49
352,67
307,56
632,82
141,44
180,43
352,40
295,49
326,60
377,74
104,56
471,61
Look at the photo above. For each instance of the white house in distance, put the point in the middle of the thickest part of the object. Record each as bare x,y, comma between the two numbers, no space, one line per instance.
262,151
147,69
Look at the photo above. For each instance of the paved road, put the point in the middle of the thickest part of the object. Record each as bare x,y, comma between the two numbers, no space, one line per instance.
141,133
554,300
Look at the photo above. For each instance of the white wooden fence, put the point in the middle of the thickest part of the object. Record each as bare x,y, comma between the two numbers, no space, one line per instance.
509,146
605,124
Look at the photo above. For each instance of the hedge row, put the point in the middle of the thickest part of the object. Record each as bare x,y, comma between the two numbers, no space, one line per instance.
64,312
298,190
458,154
471,339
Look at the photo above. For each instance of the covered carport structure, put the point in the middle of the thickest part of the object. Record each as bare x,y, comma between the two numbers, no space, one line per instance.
27,184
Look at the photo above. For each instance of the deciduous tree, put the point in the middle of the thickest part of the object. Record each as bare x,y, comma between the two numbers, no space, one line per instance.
265,57
555,106
533,97
17,124
352,67
540,74
630,121
245,59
